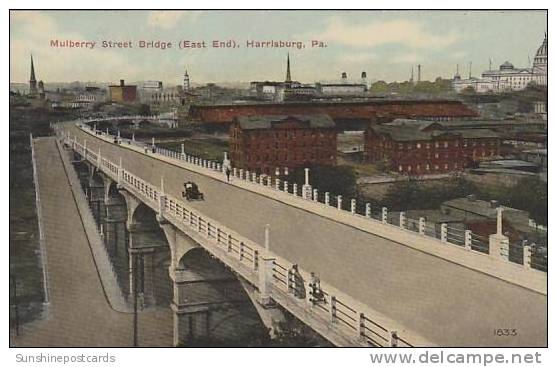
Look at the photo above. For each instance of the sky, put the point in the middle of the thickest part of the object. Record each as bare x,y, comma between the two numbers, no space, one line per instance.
385,44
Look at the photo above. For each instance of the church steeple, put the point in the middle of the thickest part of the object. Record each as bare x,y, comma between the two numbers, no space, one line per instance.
32,79
186,82
288,78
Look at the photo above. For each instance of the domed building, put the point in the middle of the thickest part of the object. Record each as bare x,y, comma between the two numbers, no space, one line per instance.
507,77
539,68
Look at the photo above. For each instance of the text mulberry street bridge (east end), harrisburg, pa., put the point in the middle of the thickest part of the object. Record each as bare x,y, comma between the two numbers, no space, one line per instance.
381,284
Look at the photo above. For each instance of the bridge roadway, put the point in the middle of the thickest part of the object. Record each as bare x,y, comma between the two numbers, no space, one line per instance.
445,303
78,314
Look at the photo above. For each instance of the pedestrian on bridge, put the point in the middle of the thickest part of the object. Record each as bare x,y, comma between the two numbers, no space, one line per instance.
228,174
296,282
315,292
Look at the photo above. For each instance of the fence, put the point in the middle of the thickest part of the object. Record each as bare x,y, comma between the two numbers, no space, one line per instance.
334,309
449,235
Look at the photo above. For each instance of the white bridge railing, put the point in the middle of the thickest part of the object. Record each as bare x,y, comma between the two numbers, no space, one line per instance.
337,312
441,232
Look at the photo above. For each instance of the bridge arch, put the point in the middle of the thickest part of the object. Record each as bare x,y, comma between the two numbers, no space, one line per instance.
213,305
116,234
149,255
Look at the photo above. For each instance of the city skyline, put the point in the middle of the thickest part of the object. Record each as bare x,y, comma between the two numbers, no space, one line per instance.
385,44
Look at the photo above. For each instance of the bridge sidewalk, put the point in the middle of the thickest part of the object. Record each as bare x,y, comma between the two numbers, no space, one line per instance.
78,313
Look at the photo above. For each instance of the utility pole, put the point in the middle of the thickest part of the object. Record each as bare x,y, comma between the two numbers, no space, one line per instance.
135,281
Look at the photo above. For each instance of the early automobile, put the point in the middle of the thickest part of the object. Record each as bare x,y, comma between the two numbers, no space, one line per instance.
191,191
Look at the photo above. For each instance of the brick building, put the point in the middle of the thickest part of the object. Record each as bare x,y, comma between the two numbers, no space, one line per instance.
123,93
424,147
380,109
263,143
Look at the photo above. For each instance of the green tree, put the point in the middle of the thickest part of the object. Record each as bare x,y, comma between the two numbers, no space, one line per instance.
337,180
530,194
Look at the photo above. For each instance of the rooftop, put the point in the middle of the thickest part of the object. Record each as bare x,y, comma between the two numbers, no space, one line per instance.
268,121
412,130
479,207
376,101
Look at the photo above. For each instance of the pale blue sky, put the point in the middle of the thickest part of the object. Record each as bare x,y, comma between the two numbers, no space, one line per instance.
384,43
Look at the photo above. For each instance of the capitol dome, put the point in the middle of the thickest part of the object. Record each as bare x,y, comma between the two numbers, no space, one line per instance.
542,51
540,60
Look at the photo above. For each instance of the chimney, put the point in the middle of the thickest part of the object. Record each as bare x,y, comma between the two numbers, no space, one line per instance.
471,197
121,82
493,203
343,76
419,73
364,77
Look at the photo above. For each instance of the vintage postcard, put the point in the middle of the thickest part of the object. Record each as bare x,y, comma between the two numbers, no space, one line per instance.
269,178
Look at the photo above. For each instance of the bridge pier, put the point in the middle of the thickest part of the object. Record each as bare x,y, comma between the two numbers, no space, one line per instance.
208,300
152,253
146,243
96,196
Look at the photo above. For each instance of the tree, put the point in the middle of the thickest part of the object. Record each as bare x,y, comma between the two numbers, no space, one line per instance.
379,87
530,194
469,91
337,180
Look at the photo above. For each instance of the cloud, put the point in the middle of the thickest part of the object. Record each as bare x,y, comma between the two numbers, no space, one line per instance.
32,22
402,32
31,34
357,58
168,19
410,57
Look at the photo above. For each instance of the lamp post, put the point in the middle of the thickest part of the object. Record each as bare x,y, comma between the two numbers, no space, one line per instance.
135,294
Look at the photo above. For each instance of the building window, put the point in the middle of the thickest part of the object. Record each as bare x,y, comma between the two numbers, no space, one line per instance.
418,145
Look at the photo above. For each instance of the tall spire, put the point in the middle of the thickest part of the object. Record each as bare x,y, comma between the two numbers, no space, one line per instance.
186,82
32,77
288,78
32,80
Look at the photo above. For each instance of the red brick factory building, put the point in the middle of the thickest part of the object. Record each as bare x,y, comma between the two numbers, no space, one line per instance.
264,143
424,147
379,110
